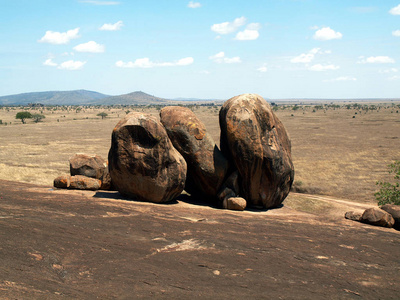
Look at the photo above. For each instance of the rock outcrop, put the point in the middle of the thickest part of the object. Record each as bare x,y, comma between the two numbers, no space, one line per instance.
77,182
377,217
143,163
255,141
87,165
207,167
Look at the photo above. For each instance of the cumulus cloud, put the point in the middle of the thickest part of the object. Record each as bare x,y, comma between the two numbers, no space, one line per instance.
342,78
91,47
306,57
229,27
49,62
262,69
220,58
147,63
395,10
72,65
376,60
59,38
250,33
193,4
320,68
100,2
396,33
326,34
112,27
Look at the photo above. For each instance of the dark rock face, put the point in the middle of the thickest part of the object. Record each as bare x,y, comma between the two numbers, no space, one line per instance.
255,141
143,163
62,182
87,165
377,217
207,167
394,210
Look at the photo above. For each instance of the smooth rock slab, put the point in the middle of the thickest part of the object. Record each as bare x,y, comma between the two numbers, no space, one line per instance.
256,142
207,167
143,163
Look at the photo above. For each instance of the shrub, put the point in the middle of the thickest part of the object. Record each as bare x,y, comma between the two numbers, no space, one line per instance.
23,115
390,193
38,117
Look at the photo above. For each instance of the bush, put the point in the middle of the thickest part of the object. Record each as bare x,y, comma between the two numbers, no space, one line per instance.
390,193
23,115
38,117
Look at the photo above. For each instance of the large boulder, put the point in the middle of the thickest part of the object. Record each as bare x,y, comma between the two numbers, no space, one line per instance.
377,217
143,163
207,167
255,141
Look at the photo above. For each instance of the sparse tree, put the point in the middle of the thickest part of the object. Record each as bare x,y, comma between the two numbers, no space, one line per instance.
390,193
102,115
23,115
38,117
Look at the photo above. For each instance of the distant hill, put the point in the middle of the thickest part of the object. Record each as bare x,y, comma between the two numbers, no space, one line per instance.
135,98
77,97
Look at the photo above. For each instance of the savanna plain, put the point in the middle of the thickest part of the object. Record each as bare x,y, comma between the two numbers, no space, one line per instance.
338,149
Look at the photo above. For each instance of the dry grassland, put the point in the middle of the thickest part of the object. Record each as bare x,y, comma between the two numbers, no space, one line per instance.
334,154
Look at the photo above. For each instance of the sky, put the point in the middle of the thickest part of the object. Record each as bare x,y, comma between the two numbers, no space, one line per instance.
208,49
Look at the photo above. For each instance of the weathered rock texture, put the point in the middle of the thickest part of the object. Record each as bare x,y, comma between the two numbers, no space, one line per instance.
394,210
255,141
354,215
78,182
143,163
207,167
87,165
377,217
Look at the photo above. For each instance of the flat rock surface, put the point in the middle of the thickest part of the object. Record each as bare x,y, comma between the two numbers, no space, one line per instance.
60,244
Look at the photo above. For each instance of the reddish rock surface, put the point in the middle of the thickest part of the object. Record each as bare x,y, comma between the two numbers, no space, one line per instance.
64,244
143,163
377,217
256,142
207,167
87,165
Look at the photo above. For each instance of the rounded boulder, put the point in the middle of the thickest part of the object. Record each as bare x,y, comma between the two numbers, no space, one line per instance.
143,163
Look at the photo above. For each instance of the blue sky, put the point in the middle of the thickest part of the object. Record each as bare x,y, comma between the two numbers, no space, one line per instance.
202,49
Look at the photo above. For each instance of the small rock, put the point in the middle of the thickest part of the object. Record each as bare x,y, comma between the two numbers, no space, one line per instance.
235,203
87,165
62,182
353,215
377,217
80,182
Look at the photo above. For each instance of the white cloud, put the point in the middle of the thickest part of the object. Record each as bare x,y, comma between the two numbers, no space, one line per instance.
396,33
262,69
391,70
247,35
72,65
193,4
220,58
147,63
326,33
376,60
395,10
395,77
250,33
112,27
100,2
342,78
306,57
229,27
49,62
91,47
59,38
320,68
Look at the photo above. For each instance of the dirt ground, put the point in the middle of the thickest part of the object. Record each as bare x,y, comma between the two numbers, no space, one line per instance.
58,244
